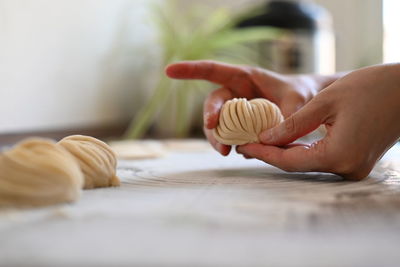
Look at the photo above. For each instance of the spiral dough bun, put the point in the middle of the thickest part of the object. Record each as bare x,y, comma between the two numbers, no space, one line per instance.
96,160
38,172
241,121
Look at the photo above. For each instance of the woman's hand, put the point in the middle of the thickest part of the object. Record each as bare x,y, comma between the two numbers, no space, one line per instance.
361,112
290,93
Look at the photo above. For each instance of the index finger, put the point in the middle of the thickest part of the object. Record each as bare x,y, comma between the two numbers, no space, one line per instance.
208,70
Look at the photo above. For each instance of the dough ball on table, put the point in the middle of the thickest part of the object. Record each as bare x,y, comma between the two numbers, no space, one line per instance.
241,121
38,172
187,145
138,149
96,159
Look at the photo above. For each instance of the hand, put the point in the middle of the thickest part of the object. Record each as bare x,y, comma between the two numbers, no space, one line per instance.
290,93
361,113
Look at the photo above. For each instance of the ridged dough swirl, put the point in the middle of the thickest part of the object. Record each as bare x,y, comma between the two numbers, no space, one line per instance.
241,121
96,159
38,172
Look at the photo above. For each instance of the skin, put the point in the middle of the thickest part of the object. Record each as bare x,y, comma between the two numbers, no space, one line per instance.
360,110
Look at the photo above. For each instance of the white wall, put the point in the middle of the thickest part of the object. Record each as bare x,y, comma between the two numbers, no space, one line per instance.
81,63
357,25
358,30
72,63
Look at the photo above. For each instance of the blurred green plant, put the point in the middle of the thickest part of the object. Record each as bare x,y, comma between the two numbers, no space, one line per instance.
192,34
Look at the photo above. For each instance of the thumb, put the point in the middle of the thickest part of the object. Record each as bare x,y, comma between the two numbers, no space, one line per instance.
304,121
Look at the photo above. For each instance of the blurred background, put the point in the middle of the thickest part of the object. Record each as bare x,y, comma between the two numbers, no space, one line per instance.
97,64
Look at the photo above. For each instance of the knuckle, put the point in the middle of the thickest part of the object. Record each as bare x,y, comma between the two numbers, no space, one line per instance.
240,81
244,74
203,69
255,74
247,70
290,125
209,68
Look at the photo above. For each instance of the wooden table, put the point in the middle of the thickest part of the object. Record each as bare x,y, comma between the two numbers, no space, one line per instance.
196,208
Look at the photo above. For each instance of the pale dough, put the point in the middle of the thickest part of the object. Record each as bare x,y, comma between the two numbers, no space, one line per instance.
241,121
187,145
96,159
38,172
150,149
138,149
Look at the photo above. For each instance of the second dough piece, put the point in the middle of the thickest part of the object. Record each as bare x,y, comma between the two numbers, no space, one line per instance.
96,159
241,121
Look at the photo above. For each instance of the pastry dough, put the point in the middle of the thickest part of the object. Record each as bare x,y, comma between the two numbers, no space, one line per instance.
138,149
38,172
241,121
96,159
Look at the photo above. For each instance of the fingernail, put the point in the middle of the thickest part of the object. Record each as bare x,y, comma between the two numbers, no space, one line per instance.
266,136
167,70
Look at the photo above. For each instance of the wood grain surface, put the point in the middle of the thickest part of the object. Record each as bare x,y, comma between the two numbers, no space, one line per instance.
197,208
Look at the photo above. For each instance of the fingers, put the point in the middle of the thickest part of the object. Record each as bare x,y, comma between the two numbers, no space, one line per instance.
297,125
212,106
235,78
212,71
299,158
221,148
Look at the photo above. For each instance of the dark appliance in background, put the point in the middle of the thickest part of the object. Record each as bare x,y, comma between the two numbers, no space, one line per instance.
307,43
